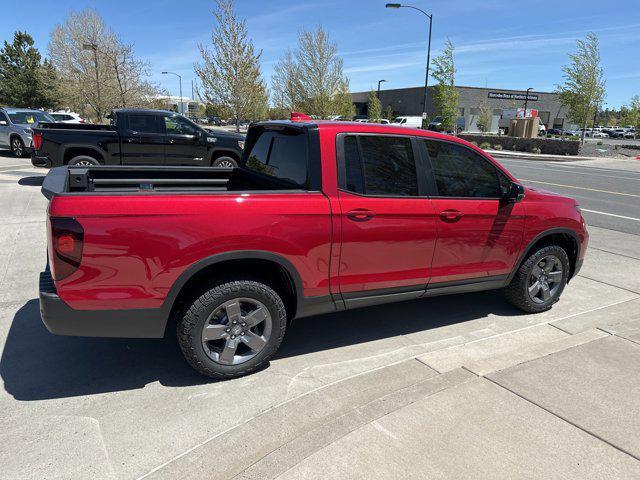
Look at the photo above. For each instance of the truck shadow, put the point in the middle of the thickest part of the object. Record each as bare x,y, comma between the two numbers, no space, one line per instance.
36,365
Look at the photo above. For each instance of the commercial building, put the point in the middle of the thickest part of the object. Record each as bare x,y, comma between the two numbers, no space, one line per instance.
504,103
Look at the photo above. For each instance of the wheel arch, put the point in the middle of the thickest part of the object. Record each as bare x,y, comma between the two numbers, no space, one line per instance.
563,237
273,269
73,150
223,152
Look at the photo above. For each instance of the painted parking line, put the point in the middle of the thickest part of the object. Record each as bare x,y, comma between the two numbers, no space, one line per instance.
610,214
582,188
636,179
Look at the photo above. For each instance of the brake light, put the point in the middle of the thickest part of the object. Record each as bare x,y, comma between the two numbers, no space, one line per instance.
67,237
299,117
37,140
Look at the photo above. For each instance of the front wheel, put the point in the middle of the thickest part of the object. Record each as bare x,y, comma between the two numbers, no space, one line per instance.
225,162
233,329
540,280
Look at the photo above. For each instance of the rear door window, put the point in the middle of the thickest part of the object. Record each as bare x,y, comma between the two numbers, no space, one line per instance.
380,165
144,124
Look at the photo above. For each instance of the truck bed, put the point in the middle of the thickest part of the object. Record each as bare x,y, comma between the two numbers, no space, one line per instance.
113,179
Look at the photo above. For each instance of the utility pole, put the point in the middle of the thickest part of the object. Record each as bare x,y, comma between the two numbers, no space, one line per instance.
94,47
181,108
379,82
426,78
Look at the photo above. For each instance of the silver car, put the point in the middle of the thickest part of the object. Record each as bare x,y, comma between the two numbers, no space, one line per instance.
15,128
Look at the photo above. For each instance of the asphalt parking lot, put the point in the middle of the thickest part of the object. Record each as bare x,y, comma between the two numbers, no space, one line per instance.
449,387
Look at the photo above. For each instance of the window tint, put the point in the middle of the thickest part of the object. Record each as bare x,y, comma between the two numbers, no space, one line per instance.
143,124
280,155
179,126
460,172
387,163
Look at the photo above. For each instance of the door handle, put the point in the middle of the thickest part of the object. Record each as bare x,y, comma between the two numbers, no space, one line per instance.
451,215
360,215
171,140
131,140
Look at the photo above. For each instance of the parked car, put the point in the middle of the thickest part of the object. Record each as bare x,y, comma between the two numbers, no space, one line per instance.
67,117
409,121
555,131
16,128
319,217
136,137
618,133
630,134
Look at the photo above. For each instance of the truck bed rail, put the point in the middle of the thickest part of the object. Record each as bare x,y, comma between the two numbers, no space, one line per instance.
114,179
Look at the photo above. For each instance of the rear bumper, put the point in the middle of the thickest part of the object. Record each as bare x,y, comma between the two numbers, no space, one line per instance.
40,161
61,319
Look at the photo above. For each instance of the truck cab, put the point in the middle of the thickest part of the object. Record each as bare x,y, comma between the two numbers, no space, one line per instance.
136,137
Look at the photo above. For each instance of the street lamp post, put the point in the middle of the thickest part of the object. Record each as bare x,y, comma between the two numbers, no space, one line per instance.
180,79
379,82
94,47
526,101
426,77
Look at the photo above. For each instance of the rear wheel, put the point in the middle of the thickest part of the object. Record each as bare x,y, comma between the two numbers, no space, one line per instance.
17,147
83,161
233,329
540,280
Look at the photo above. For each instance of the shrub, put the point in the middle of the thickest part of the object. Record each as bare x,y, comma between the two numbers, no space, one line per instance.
599,142
551,146
475,143
497,147
485,145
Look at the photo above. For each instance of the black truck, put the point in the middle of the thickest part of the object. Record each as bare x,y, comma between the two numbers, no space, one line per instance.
135,137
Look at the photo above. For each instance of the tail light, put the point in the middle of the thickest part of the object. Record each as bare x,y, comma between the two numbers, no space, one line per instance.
37,140
67,237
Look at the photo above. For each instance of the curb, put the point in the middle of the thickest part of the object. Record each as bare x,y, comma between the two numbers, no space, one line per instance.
538,157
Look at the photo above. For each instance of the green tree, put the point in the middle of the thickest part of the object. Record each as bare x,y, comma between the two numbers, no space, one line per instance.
445,93
485,116
375,108
26,80
230,71
632,116
583,90
388,113
311,78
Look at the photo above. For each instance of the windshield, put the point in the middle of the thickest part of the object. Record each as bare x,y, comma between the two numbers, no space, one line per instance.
399,120
27,118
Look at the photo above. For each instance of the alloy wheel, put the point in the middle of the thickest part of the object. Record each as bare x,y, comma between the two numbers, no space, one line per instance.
225,164
236,331
545,279
17,148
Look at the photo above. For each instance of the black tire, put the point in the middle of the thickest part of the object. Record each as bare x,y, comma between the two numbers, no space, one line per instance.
83,160
225,162
517,292
198,315
17,147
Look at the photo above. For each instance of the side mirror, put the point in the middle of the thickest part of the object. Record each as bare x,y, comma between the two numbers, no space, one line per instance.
515,194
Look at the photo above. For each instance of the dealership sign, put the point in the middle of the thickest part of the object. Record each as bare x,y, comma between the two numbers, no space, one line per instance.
512,96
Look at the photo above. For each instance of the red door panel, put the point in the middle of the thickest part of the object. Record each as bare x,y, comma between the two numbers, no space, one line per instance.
476,238
386,242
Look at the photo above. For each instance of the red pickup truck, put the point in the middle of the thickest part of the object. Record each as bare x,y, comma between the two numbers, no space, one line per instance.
319,217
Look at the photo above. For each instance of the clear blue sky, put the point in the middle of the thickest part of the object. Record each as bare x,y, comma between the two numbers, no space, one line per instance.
499,44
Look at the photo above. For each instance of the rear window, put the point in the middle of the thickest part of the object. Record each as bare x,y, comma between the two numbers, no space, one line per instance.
282,155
